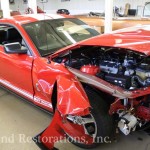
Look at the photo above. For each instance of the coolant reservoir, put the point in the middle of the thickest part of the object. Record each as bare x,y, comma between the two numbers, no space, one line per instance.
90,69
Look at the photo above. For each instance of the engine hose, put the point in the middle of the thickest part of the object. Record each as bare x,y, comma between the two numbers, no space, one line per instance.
140,81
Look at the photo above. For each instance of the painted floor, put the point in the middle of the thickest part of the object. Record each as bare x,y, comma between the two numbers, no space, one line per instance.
20,121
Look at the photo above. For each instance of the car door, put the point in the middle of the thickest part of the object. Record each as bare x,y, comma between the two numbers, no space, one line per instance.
15,69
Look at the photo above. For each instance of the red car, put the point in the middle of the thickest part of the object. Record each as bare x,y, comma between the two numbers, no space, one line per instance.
92,83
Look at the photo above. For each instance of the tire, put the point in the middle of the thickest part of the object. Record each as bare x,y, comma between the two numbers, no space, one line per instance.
104,122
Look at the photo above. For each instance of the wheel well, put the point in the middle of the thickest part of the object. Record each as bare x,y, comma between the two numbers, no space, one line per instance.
54,97
109,99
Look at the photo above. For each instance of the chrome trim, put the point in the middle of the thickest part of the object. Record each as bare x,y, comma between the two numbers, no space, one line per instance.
42,102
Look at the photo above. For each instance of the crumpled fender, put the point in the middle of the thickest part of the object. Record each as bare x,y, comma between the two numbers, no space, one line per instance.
71,98
52,134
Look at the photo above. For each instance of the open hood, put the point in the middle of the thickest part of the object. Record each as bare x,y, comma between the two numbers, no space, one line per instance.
136,39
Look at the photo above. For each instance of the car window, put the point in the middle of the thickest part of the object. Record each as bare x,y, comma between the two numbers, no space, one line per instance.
51,35
71,30
9,34
3,32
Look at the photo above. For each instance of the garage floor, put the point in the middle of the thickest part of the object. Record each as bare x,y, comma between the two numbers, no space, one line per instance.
19,121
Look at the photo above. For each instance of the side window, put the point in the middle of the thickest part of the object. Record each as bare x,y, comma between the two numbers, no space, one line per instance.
9,34
2,34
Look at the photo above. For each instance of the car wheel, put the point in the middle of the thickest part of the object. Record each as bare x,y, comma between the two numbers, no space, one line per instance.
99,124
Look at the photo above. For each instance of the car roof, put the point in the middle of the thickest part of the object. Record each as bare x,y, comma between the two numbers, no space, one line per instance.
29,18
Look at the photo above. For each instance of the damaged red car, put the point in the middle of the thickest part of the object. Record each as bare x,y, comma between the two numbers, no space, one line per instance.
94,84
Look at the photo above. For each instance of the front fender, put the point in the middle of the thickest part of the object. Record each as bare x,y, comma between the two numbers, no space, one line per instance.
71,97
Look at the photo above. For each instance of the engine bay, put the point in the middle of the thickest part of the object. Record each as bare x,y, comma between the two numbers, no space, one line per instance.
122,67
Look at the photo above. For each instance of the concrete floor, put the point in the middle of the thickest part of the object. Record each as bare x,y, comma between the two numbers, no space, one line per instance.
19,121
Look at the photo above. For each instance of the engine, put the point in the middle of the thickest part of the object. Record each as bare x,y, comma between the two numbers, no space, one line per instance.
130,71
124,68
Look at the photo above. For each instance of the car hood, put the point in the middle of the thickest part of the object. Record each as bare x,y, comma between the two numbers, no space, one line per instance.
138,40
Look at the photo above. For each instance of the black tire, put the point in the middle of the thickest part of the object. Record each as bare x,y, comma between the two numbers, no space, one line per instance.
104,122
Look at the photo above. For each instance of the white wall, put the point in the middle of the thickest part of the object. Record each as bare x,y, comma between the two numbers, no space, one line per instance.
85,6
133,3
81,6
18,5
76,6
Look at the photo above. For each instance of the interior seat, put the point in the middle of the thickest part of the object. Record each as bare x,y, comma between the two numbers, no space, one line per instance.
12,35
2,36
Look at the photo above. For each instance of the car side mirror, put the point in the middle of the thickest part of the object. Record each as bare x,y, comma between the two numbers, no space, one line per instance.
14,48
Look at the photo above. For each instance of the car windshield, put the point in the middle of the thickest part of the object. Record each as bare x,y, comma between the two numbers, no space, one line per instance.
51,35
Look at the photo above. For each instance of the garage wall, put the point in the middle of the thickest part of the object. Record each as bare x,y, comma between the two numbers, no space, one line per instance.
85,6
76,6
49,7
21,6
81,6
18,5
133,3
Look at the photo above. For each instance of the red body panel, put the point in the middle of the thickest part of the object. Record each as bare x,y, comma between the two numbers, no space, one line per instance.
45,75
138,41
16,71
55,132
